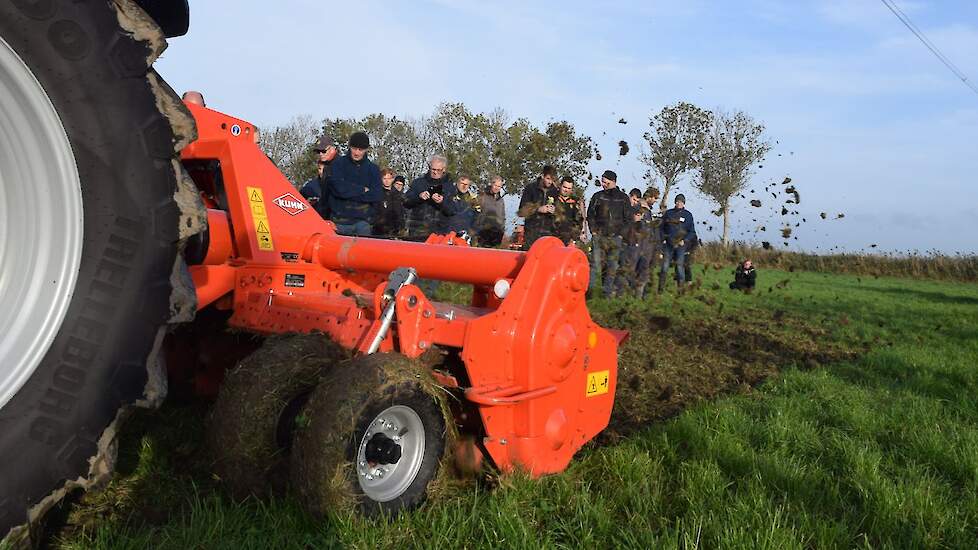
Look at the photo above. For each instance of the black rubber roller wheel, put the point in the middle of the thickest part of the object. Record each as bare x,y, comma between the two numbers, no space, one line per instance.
375,437
249,432
89,234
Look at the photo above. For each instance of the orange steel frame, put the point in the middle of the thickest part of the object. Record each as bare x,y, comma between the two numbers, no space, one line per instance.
540,372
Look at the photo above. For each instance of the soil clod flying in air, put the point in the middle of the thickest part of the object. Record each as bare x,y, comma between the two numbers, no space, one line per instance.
622,147
622,121
755,203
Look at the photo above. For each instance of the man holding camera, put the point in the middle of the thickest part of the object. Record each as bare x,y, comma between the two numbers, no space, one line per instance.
424,200
538,205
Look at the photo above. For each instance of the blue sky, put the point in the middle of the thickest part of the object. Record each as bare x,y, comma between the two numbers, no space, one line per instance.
868,122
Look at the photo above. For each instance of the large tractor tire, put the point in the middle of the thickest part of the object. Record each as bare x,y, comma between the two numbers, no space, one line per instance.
92,213
374,440
249,432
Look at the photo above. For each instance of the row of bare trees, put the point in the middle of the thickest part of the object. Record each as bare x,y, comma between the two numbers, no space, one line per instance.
717,150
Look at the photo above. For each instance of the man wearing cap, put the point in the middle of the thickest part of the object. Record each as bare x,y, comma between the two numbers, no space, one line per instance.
606,217
678,232
389,214
354,188
315,190
537,206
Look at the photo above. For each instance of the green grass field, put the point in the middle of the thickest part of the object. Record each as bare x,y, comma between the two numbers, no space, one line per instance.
843,413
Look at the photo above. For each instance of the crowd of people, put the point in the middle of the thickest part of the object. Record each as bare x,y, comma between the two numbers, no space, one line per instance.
365,200
629,236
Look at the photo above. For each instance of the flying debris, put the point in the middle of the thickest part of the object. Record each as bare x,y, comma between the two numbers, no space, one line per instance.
785,232
622,121
840,216
597,156
622,147
784,211
786,181
824,215
791,189
766,245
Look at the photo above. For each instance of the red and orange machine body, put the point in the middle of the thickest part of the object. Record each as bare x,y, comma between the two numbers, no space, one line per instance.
539,371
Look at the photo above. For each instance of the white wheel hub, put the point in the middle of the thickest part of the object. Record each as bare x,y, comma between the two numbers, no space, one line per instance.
385,481
40,223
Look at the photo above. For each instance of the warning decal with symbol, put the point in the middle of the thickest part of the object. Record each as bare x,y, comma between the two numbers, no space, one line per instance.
597,383
259,216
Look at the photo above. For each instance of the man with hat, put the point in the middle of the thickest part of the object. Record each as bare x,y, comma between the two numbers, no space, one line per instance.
678,234
315,190
606,217
354,187
399,185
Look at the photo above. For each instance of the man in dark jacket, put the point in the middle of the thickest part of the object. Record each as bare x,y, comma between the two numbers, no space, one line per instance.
315,190
606,217
389,214
650,238
631,241
461,210
491,222
678,232
569,213
745,277
537,206
354,187
424,198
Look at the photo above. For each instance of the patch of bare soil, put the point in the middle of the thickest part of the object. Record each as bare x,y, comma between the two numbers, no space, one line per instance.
673,361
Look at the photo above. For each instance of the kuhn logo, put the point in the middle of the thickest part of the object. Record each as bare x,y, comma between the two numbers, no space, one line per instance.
290,204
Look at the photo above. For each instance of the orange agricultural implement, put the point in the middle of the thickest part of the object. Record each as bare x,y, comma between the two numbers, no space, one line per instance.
539,371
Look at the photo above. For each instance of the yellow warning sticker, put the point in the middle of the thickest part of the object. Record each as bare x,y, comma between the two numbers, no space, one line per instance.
262,230
597,383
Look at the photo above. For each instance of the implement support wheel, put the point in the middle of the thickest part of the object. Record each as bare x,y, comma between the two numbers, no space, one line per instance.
377,430
249,432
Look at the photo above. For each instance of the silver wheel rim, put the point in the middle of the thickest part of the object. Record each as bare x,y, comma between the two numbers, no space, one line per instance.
40,223
385,482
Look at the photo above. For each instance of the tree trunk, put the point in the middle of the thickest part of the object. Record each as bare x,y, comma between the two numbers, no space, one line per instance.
726,225
666,186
